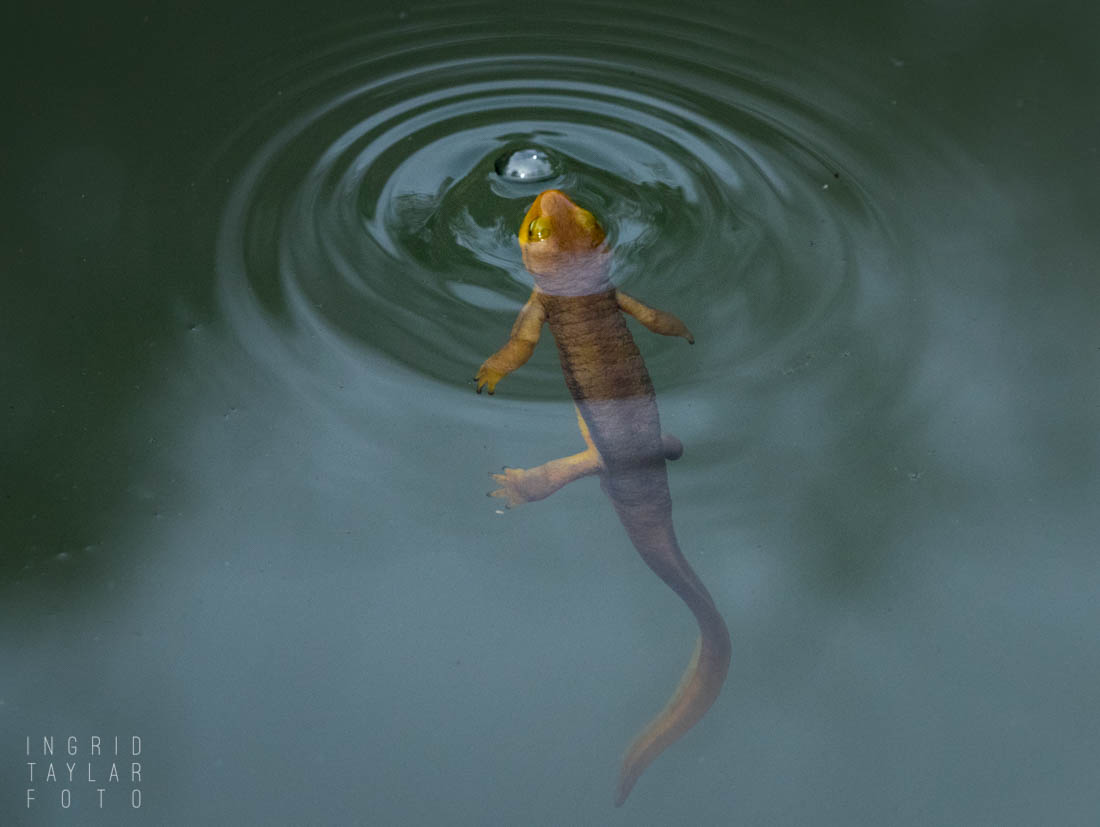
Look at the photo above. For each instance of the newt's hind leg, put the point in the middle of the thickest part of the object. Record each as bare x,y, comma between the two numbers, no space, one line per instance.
525,485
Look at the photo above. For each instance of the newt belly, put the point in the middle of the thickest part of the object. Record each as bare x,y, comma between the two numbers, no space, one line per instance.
563,247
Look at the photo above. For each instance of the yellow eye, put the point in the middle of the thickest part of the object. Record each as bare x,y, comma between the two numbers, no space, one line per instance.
540,228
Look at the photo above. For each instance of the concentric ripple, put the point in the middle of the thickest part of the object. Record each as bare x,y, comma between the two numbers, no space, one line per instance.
368,216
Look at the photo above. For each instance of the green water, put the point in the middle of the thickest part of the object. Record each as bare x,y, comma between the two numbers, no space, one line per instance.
251,261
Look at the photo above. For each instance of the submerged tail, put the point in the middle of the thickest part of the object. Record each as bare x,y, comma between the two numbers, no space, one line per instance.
705,674
699,687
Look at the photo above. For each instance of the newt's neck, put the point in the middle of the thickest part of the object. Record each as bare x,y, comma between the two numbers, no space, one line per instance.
580,275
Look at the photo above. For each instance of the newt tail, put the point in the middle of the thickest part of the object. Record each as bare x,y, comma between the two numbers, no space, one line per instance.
563,247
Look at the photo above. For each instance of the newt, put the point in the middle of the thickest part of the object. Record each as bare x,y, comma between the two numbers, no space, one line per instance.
564,248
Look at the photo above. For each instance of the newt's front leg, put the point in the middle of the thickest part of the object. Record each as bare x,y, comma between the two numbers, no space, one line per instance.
658,321
519,347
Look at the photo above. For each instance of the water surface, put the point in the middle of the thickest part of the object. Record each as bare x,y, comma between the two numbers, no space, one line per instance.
252,262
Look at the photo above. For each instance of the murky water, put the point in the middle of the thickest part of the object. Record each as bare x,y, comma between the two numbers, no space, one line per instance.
252,264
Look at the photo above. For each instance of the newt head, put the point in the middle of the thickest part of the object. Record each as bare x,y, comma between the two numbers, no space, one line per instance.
563,246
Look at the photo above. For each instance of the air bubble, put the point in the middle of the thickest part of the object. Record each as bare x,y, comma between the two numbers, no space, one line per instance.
525,165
